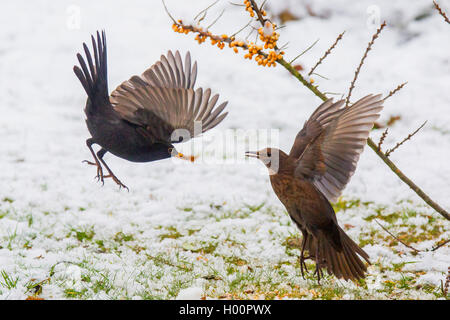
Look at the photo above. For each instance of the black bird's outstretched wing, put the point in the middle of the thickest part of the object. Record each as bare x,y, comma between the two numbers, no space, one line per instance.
94,77
329,145
163,99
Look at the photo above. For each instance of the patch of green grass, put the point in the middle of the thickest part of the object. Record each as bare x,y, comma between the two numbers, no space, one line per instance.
236,260
29,219
173,234
121,237
254,208
4,213
8,282
83,234
101,246
11,237
343,204
72,293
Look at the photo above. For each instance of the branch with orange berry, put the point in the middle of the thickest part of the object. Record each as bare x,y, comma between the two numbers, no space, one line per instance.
269,55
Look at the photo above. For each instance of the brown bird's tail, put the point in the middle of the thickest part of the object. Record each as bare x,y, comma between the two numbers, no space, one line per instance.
343,262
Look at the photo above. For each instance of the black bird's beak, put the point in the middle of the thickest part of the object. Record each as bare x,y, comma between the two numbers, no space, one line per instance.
252,154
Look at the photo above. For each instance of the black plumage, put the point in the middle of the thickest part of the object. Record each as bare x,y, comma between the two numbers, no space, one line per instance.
147,114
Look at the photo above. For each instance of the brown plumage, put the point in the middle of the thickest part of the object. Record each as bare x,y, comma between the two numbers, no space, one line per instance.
317,169
147,114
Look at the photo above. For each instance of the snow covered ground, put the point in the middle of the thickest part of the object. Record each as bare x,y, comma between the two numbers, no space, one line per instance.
214,228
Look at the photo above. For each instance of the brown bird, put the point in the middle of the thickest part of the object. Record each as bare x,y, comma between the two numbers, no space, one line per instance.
318,167
146,114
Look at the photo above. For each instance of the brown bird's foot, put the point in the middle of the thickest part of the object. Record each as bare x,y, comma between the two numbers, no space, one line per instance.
303,266
116,180
319,273
99,175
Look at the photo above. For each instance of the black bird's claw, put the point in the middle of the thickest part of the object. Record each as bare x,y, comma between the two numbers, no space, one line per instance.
99,175
121,185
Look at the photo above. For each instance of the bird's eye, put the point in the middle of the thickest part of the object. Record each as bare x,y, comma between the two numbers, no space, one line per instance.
170,150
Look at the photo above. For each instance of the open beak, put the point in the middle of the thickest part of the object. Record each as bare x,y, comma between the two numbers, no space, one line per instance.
252,154
184,157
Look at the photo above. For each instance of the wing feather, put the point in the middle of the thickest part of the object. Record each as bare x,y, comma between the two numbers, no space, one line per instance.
165,93
329,145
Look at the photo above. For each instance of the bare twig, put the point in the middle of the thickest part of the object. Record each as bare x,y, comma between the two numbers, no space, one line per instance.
333,93
396,238
441,12
326,53
369,47
387,153
205,11
242,29
304,51
319,75
383,136
259,14
440,245
168,13
391,93
217,19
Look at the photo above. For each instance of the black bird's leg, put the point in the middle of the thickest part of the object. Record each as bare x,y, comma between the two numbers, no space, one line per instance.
100,155
89,143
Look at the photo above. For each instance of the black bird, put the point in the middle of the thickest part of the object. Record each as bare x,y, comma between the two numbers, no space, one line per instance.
317,169
146,114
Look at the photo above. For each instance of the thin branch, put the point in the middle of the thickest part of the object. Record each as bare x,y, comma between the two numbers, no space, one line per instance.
333,93
242,29
326,53
236,4
319,75
259,14
304,51
205,10
383,136
396,238
387,153
217,19
391,93
284,46
440,245
369,47
408,181
441,12
262,5
167,11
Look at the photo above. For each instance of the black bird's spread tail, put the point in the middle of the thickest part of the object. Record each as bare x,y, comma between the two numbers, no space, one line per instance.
93,77
344,263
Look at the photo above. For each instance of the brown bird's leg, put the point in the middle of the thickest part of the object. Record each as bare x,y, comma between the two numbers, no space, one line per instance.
302,256
318,270
89,143
100,155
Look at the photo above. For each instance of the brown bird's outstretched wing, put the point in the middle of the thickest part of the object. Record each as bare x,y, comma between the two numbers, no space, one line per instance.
329,145
163,99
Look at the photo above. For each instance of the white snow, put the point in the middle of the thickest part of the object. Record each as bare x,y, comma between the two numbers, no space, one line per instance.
193,293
